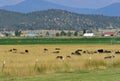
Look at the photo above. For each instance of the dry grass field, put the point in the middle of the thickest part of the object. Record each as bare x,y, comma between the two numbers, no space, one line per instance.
36,61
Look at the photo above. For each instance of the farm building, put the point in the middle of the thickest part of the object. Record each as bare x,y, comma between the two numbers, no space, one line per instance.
88,34
109,33
32,35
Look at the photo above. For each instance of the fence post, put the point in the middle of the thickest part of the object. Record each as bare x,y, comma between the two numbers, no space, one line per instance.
3,65
36,61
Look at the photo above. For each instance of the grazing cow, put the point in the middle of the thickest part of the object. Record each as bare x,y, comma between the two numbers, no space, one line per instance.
68,56
117,52
72,53
95,51
106,51
60,57
84,51
13,50
10,50
77,52
100,50
109,57
26,51
45,49
57,49
56,52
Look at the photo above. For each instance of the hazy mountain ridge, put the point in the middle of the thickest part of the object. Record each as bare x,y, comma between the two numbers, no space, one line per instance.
111,10
38,5
54,19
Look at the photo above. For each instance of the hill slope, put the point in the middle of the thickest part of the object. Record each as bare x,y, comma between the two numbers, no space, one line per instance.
54,19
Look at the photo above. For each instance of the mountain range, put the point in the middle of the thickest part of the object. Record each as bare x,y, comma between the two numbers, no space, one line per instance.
54,19
28,6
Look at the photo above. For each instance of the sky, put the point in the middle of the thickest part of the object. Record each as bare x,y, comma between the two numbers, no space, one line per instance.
9,2
85,3
72,3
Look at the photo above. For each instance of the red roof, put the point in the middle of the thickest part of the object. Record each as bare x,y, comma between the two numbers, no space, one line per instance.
109,33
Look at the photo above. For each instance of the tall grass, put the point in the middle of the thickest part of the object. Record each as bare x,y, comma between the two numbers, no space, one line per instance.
25,64
95,64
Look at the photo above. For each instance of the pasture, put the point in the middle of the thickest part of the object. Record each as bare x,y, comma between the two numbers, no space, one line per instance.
38,60
42,59
69,40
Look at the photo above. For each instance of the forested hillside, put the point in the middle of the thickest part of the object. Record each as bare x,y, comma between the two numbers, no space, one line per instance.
54,19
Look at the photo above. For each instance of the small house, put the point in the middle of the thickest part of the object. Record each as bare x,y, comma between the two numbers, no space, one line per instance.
109,33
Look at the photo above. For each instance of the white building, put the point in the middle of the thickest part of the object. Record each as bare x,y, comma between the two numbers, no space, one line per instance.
88,34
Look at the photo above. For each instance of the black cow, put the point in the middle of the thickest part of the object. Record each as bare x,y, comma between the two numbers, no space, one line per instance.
26,51
60,57
100,50
84,51
45,49
14,49
117,52
77,52
10,50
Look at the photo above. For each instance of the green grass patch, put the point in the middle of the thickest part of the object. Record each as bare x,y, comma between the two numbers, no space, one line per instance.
89,75
17,41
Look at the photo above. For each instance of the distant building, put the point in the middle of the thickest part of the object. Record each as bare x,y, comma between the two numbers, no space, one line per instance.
32,35
88,34
109,33
2,35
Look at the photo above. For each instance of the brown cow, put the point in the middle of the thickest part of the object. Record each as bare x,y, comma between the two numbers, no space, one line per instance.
56,52
109,57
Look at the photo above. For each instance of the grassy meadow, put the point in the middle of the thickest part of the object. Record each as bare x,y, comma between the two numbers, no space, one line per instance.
38,63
